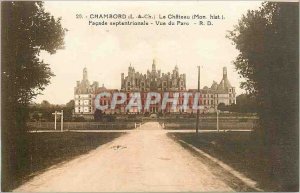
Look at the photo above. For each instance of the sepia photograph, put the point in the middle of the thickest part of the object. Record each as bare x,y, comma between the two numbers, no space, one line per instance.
149,96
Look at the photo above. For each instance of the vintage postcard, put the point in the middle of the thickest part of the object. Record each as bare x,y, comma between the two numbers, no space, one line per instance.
149,96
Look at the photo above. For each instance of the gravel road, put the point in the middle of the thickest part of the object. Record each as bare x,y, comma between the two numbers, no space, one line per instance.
145,159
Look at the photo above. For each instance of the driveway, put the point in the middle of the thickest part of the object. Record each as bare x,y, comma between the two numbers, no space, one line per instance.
145,159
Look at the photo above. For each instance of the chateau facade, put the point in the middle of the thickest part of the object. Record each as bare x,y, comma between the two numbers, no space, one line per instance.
153,81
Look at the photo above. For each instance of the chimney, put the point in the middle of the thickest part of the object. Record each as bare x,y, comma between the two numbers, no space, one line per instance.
85,75
224,72
122,80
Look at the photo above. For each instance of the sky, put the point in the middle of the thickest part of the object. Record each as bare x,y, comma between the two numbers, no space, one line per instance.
107,51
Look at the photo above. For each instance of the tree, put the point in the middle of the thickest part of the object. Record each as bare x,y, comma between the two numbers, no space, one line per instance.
222,107
269,56
45,104
98,115
27,29
35,116
244,104
71,104
68,110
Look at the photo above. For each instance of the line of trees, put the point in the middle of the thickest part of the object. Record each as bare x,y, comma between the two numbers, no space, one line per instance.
268,41
244,104
44,110
27,29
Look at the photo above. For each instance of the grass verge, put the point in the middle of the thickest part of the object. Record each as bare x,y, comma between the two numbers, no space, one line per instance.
47,149
238,150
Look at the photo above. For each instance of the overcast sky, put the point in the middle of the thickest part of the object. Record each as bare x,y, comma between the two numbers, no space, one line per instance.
108,51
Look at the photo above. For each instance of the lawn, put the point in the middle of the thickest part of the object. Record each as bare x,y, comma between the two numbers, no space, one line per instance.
239,150
47,149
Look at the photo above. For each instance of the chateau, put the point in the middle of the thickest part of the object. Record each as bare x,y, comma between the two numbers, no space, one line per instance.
218,93
84,94
153,81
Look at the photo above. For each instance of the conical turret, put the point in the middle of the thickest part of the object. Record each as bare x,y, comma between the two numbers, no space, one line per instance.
224,84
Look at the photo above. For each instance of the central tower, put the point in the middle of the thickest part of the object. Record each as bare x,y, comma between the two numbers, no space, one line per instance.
154,66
